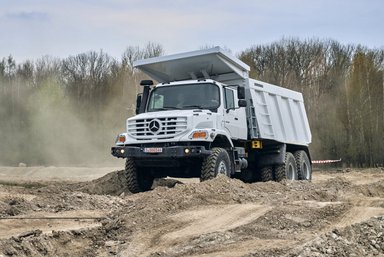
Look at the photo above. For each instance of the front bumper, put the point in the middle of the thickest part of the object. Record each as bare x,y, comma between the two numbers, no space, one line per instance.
166,152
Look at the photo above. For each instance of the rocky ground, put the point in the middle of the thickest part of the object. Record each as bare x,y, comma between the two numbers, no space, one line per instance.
339,213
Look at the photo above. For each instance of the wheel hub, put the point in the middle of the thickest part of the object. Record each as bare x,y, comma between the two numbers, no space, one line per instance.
291,172
222,169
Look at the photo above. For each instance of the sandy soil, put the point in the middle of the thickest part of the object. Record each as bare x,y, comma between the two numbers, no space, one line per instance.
339,213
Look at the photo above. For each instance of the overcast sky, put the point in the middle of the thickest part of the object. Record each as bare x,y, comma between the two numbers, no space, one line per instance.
30,29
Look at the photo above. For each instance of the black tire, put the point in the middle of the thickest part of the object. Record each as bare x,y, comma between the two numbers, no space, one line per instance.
218,162
304,167
266,174
288,170
137,180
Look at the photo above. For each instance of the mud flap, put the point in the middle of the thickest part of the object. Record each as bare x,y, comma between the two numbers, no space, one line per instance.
272,156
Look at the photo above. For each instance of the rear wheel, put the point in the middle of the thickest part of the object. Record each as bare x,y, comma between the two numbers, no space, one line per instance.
266,174
304,168
218,162
288,170
137,180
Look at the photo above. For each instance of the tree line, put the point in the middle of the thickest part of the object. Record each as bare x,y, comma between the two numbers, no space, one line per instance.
68,111
343,88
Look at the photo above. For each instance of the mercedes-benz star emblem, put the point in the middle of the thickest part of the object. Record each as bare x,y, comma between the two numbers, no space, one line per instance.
154,126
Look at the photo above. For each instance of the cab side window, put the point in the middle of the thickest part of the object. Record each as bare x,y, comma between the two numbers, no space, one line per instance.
229,98
158,101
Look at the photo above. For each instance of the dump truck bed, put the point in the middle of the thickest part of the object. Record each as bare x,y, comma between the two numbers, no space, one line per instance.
278,114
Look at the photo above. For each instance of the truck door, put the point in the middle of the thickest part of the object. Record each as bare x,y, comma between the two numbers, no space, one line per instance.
234,117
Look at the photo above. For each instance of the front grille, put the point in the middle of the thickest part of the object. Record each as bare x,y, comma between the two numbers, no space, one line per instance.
157,128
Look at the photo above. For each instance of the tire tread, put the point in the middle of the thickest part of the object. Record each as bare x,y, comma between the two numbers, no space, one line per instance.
132,176
266,174
300,158
280,171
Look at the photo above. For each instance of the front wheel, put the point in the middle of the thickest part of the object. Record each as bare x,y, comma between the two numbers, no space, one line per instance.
137,180
218,162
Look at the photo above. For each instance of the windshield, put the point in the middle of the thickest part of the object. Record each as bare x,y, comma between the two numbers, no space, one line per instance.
191,96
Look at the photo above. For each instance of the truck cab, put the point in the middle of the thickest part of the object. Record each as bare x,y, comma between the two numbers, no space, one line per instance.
174,111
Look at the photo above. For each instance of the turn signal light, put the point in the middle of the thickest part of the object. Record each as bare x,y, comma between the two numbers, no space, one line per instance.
121,139
199,134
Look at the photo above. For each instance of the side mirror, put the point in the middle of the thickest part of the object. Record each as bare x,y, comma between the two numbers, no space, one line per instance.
146,82
242,103
240,93
138,103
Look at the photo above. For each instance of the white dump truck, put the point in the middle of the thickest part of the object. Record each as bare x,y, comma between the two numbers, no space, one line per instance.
207,117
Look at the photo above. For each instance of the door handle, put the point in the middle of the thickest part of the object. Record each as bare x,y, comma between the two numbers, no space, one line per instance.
236,118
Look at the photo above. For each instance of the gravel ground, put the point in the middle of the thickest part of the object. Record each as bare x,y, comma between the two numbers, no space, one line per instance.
339,213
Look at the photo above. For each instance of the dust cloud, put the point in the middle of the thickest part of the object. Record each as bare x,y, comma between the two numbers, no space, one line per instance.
46,127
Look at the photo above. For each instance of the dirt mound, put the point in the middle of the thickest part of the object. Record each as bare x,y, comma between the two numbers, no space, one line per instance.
225,217
113,183
372,190
79,242
362,239
13,206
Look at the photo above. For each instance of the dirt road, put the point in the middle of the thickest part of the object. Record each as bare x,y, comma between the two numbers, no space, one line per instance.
339,213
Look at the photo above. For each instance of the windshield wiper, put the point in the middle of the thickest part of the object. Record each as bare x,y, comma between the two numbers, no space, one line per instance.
168,108
193,106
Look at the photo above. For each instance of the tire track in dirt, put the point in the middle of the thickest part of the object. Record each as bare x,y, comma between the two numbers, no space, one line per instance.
194,223
239,249
216,218
14,227
358,215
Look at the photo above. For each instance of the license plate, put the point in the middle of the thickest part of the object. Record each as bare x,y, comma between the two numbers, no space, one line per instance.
153,150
